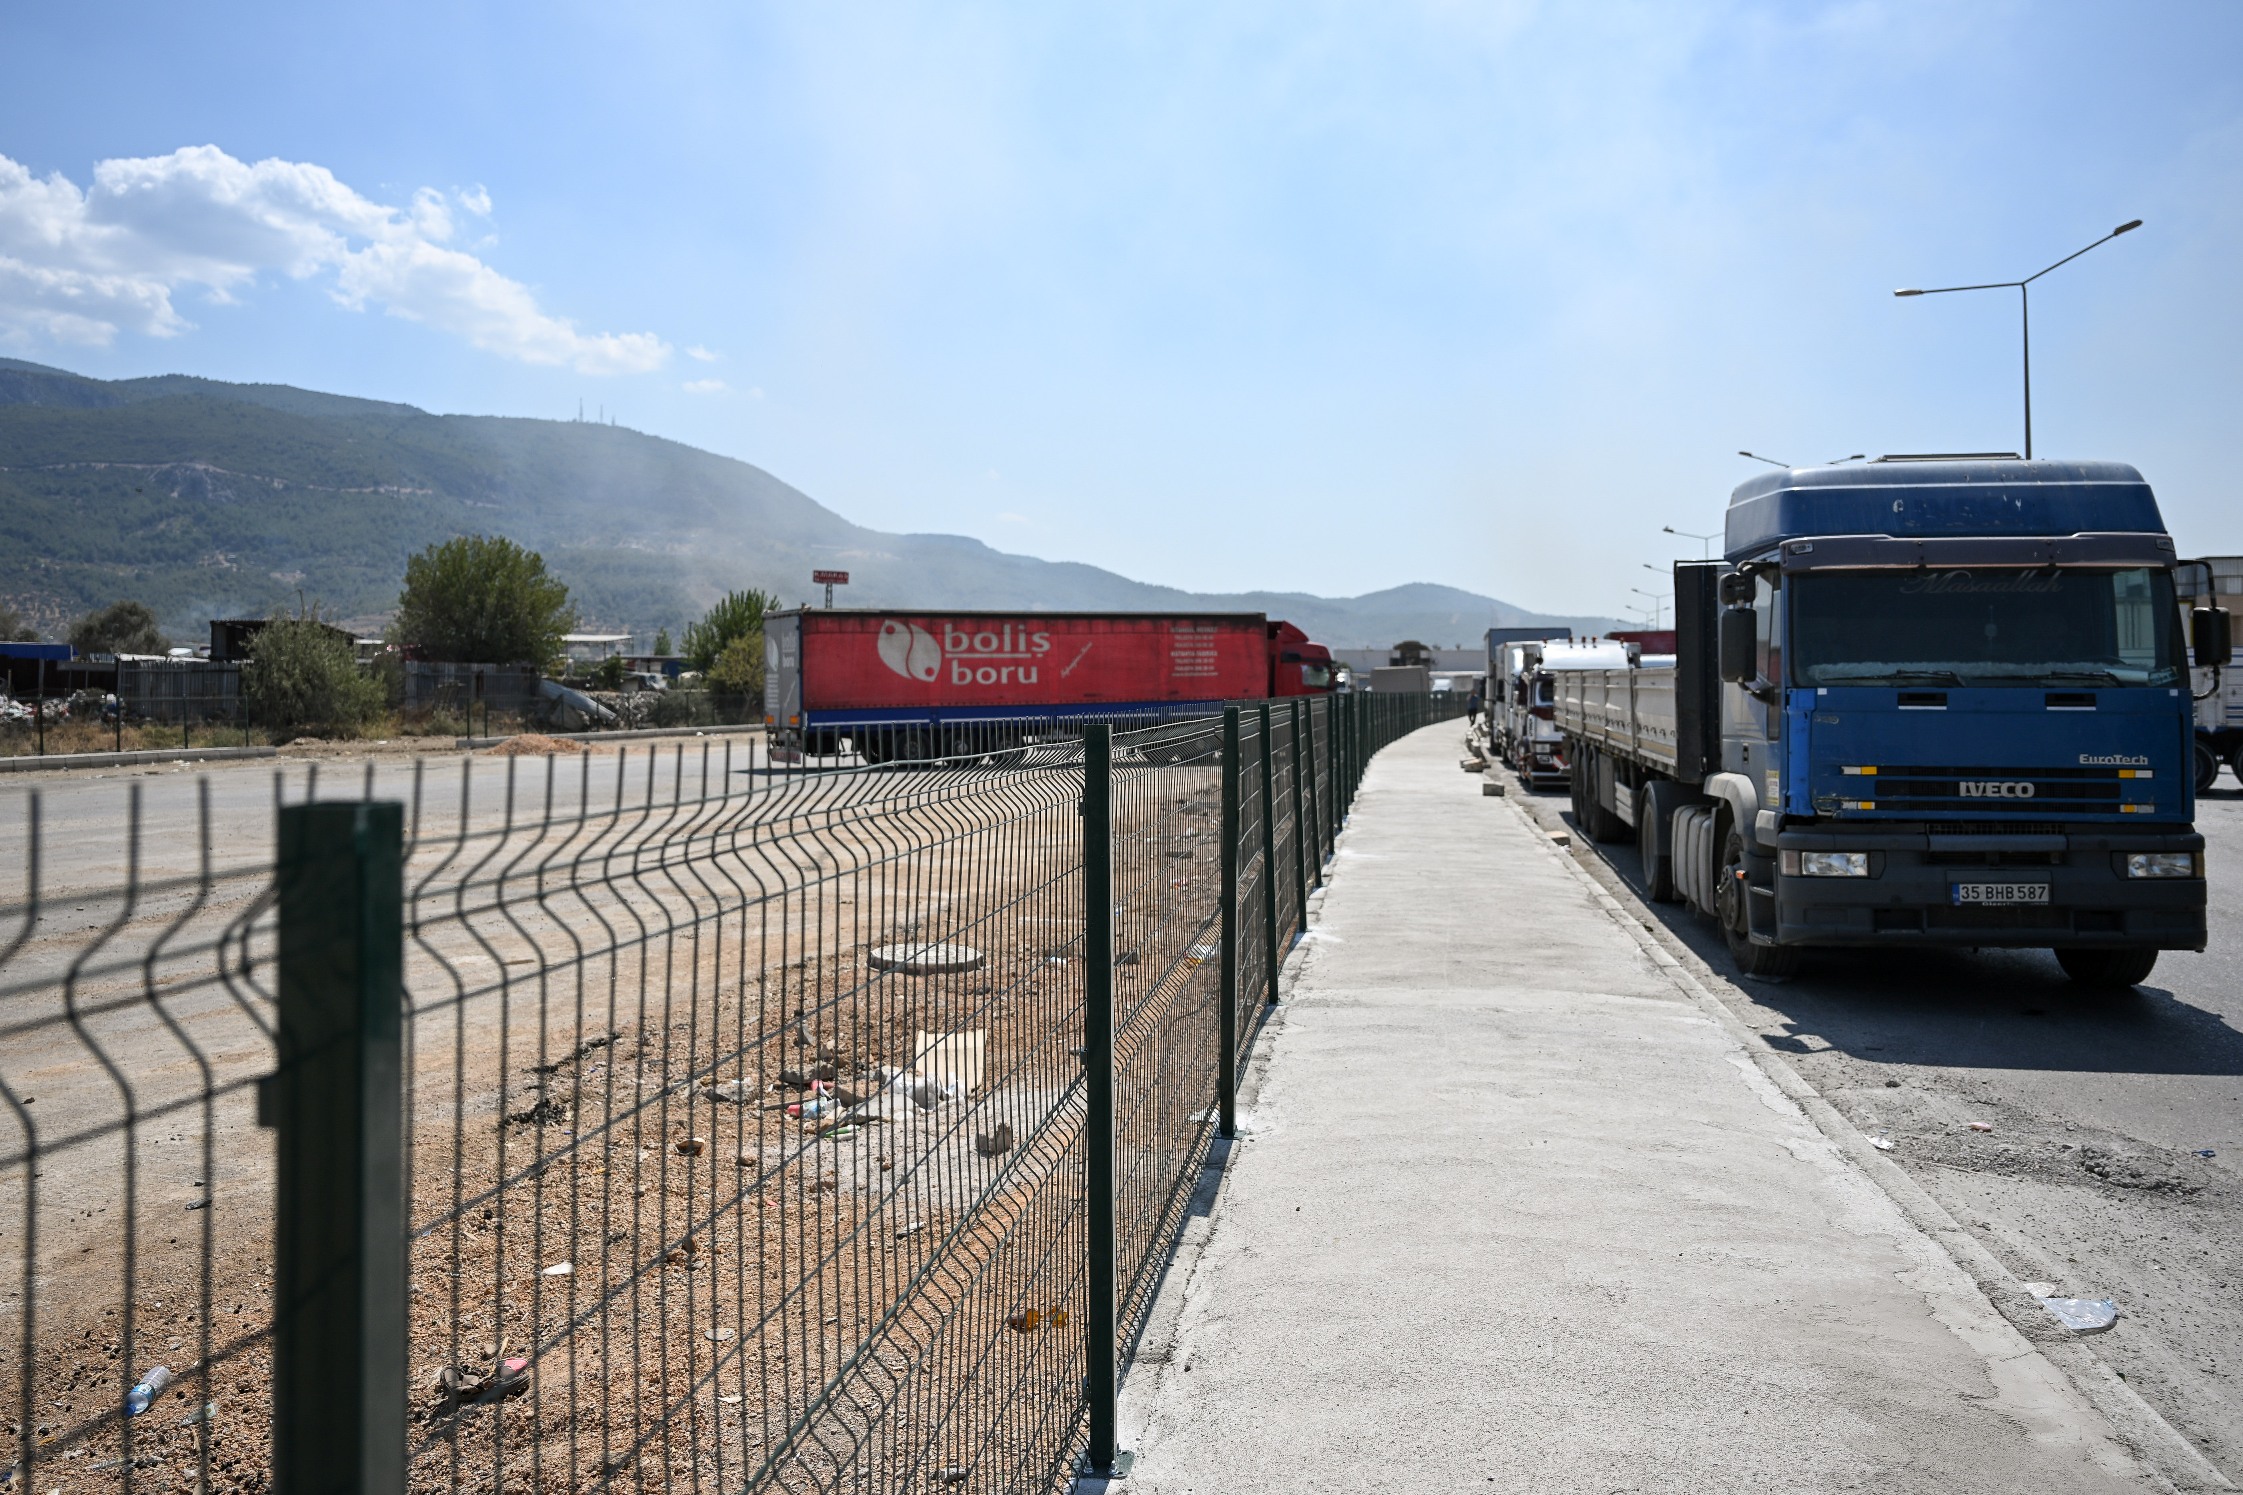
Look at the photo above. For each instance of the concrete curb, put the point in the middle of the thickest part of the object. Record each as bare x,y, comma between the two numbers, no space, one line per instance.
639,735
126,760
2167,1457
1155,1344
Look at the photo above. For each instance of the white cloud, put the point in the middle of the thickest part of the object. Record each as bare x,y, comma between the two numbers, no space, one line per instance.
700,354
704,386
82,266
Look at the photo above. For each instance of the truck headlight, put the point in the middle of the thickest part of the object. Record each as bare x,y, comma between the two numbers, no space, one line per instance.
1824,863
2164,864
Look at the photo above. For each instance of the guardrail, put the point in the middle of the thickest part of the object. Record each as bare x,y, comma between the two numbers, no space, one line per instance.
672,1118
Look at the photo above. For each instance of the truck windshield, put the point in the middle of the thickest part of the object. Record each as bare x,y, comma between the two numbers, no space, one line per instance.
1985,627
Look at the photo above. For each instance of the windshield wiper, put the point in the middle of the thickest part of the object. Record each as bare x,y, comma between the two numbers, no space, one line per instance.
1947,675
2081,675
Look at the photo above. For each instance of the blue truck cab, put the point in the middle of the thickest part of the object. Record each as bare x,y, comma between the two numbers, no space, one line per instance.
1955,709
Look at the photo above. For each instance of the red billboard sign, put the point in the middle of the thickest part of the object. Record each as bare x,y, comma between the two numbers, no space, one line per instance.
829,578
853,661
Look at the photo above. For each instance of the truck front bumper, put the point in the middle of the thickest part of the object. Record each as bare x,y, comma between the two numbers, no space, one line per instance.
1910,898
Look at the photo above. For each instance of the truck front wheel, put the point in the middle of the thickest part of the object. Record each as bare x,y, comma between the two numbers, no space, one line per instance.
1762,962
2107,968
2207,765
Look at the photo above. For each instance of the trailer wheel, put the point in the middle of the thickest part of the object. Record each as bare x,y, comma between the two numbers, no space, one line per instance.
2235,760
2207,765
2107,969
1658,871
1763,962
1604,826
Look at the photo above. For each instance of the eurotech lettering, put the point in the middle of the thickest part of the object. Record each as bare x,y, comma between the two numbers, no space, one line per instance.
2112,760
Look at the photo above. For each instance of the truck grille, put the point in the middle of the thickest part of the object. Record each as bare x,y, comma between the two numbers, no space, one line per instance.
1992,791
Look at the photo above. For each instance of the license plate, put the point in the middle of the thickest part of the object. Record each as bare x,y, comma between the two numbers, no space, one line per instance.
1984,894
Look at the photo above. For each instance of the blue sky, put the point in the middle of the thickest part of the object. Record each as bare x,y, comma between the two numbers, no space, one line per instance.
1289,295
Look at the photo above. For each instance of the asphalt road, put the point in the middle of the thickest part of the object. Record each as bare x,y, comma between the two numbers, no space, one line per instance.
2108,1165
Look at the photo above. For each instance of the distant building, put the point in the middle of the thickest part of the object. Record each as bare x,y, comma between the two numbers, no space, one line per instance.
591,648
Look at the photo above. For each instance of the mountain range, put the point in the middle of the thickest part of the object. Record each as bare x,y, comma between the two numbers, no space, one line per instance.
206,500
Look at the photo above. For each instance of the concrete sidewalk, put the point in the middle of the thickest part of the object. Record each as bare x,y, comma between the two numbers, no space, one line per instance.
1511,1211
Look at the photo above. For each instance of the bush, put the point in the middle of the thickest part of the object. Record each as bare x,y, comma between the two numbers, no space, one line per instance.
738,671
680,708
301,676
119,628
482,599
608,673
738,615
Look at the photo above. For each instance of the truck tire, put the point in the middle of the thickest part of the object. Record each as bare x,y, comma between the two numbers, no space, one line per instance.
1761,962
2107,969
2207,765
1573,784
1604,826
1658,871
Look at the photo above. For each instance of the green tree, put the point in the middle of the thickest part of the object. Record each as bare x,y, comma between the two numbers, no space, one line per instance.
608,673
482,599
304,675
738,671
119,628
662,641
14,629
737,615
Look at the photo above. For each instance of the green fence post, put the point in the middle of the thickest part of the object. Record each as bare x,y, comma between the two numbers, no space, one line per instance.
1270,932
1315,799
1332,752
1101,1352
1226,1081
1301,828
337,1105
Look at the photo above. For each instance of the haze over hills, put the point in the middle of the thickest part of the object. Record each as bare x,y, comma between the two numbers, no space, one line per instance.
206,499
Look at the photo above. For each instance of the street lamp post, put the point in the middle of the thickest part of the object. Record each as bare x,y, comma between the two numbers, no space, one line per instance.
1705,542
2025,311
1658,604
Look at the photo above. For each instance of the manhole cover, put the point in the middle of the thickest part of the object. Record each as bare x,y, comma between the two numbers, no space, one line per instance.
925,960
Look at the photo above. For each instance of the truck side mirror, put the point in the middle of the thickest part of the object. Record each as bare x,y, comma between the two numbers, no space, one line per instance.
1739,642
2208,632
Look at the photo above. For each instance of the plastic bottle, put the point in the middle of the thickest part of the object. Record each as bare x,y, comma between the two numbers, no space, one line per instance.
142,1396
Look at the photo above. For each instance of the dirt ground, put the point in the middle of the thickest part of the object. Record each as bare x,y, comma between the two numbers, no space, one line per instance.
611,1018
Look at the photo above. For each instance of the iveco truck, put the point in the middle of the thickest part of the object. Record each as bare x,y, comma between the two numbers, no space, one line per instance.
1919,702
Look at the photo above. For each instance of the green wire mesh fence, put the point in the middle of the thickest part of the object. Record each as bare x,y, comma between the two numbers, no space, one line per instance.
637,1119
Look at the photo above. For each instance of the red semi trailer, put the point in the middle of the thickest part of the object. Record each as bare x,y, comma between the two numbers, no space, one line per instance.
926,685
